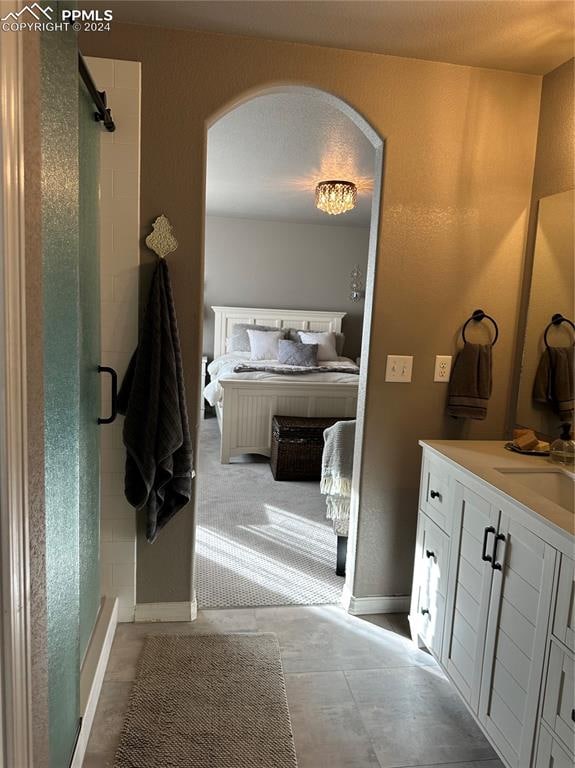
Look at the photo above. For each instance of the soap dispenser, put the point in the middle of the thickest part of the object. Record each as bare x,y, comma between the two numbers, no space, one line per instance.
562,450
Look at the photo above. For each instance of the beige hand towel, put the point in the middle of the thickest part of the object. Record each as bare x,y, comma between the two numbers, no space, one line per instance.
470,383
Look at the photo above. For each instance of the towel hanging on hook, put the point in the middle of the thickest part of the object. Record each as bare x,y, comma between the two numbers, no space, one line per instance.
477,316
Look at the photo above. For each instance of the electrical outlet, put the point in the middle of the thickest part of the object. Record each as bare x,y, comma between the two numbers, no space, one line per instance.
442,368
399,368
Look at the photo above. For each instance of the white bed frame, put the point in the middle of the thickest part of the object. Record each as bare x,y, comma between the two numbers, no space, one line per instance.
247,407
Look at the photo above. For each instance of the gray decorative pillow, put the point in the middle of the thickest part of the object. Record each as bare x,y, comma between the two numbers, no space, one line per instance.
293,335
239,340
296,353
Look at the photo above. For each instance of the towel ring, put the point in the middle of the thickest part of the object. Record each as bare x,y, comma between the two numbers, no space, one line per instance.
557,319
477,316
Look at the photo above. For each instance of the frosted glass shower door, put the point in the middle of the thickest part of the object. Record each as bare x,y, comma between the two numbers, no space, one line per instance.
89,359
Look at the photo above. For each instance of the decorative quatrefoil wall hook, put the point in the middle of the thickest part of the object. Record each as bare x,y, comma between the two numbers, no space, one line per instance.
161,239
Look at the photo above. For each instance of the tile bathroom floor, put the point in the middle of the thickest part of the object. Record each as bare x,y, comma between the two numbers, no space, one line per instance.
360,694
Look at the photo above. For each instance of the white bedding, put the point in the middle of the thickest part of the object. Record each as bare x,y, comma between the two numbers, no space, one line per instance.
223,368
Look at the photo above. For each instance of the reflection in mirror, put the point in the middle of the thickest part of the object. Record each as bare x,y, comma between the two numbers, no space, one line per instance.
546,385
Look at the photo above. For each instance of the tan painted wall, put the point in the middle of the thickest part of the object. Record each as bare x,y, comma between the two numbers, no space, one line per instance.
460,146
554,172
555,159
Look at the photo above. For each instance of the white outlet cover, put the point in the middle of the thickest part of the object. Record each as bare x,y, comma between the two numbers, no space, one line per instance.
399,368
442,368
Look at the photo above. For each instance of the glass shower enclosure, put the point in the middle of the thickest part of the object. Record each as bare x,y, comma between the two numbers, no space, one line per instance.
70,140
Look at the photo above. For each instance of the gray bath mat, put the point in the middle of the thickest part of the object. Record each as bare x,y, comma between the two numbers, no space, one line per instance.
208,701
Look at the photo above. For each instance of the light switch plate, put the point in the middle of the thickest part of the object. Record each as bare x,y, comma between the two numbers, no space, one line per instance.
399,368
442,368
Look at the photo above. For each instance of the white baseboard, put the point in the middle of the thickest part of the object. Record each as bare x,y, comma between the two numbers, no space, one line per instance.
360,606
93,671
186,611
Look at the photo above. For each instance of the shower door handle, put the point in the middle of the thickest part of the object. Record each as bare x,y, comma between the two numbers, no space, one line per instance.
114,394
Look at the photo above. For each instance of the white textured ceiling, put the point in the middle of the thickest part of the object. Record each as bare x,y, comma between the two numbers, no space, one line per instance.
267,155
532,36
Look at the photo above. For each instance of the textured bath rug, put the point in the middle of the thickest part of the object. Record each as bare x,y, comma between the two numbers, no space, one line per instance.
208,701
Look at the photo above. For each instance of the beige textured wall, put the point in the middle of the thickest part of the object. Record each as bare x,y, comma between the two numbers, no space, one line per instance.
555,159
554,172
460,145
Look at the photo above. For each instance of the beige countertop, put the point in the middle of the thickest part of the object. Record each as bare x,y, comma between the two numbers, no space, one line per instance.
484,457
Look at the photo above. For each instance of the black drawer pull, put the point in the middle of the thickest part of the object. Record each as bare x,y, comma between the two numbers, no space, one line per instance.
435,495
429,553
486,532
573,715
425,611
495,565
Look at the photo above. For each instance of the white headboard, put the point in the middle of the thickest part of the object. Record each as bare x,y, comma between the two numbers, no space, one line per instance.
302,319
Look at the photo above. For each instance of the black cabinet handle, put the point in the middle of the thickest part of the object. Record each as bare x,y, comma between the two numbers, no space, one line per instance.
495,565
425,611
435,494
114,395
486,532
429,553
573,715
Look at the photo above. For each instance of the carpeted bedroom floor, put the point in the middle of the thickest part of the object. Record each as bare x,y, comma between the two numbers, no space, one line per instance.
259,542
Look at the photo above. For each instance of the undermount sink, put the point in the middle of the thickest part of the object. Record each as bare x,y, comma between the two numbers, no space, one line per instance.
554,484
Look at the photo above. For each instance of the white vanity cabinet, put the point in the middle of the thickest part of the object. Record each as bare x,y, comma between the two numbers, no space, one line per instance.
557,732
506,589
517,627
470,574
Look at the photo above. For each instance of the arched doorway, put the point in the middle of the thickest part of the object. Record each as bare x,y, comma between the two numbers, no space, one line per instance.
369,187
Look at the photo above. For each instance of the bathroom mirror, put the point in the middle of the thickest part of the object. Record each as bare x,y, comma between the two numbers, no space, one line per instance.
552,292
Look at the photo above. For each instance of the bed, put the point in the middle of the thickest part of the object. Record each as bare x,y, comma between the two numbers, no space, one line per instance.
246,402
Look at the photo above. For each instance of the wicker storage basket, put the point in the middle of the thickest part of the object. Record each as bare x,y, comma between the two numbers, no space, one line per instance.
297,446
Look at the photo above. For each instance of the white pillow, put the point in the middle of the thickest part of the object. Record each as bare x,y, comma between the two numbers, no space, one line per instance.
264,345
325,341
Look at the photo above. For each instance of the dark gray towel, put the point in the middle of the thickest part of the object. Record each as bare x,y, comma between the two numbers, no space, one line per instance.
156,434
554,381
470,382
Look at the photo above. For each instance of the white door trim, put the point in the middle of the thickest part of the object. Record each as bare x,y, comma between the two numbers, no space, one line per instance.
15,691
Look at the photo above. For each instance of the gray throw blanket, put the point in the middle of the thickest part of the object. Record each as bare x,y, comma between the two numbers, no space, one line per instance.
336,473
294,370
470,382
554,381
159,470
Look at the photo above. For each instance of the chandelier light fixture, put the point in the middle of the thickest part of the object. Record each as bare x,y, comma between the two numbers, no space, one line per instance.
335,197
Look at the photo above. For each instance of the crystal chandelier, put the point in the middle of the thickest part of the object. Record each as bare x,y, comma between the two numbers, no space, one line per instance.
335,197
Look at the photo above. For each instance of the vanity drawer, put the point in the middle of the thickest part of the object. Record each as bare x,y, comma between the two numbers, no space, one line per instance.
559,702
564,622
434,495
550,754
430,584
